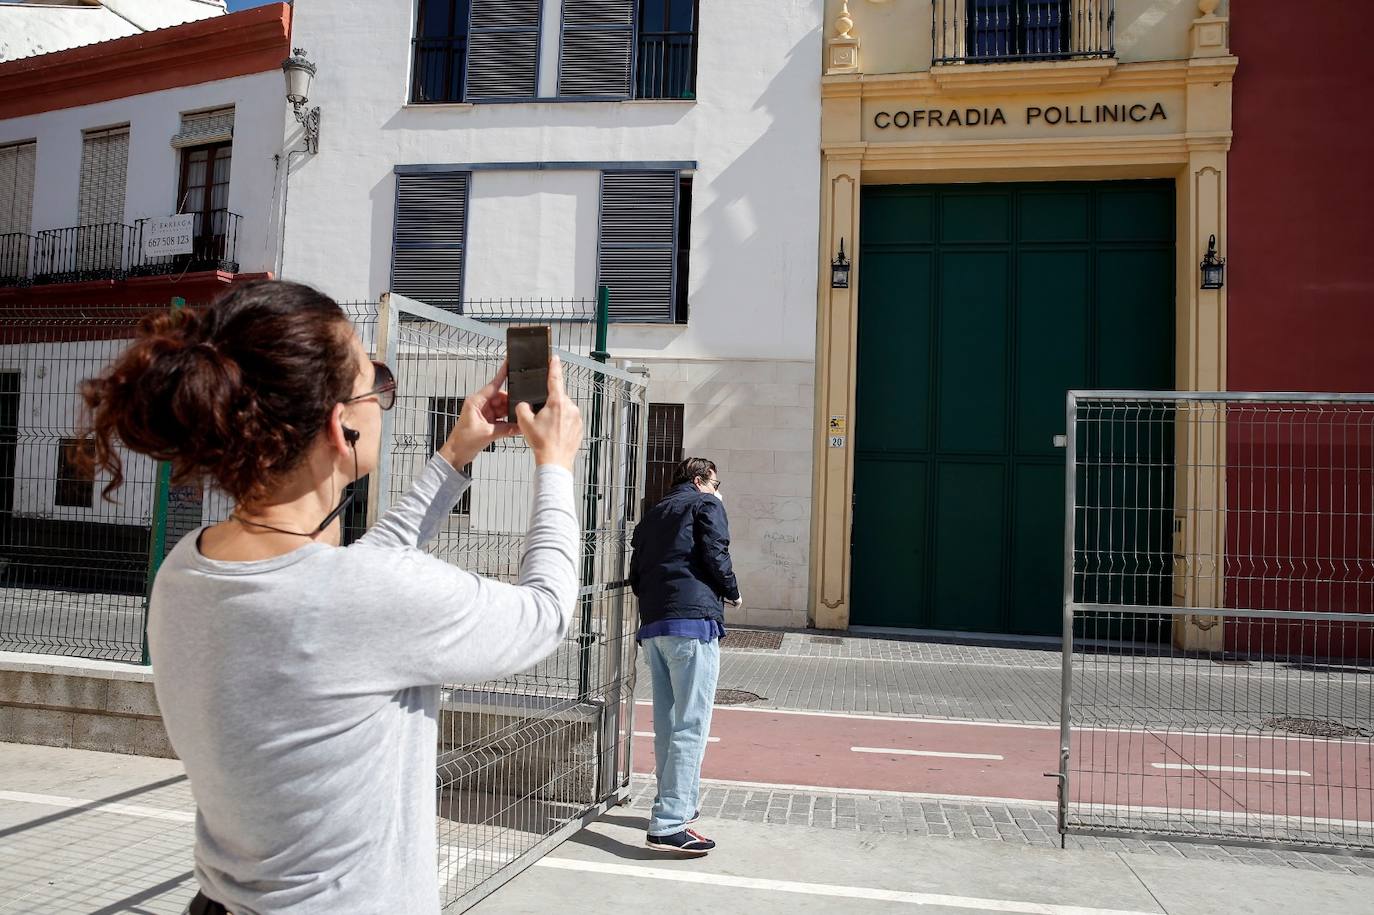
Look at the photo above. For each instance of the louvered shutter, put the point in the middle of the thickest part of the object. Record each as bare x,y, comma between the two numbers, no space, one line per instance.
596,59
427,238
104,171
101,241
16,187
636,248
503,50
203,127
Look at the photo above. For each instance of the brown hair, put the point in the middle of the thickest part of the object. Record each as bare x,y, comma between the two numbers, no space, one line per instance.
693,469
236,391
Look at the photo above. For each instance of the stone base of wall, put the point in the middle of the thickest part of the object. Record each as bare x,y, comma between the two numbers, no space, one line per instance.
88,705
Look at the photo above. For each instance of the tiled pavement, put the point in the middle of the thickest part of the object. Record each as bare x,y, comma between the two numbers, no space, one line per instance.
913,816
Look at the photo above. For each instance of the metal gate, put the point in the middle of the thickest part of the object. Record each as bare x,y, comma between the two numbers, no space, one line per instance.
1218,678
526,761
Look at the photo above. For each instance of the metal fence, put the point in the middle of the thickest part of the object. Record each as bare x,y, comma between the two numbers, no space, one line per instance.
1219,618
524,761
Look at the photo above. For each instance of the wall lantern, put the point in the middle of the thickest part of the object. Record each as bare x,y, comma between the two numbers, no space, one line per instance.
1213,267
299,74
839,270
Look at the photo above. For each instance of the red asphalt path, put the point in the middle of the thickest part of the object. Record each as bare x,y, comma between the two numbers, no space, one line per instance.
1309,778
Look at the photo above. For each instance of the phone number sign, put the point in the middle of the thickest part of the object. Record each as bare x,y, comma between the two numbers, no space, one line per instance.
167,235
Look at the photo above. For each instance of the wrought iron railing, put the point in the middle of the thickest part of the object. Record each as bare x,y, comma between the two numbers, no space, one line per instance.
214,246
80,253
997,31
666,66
437,66
114,251
16,266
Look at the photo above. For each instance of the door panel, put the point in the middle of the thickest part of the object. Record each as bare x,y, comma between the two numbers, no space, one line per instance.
979,307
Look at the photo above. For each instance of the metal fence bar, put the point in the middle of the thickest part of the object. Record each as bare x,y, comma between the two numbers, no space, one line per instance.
1219,618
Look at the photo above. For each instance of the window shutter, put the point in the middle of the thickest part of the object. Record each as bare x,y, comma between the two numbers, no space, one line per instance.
503,50
597,56
104,169
16,187
636,247
202,127
427,238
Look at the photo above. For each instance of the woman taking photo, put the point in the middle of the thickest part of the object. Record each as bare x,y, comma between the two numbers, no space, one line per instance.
298,679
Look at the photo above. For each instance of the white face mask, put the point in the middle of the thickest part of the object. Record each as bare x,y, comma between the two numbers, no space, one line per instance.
719,496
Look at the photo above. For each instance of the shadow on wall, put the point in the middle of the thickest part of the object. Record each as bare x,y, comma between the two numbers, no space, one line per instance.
733,210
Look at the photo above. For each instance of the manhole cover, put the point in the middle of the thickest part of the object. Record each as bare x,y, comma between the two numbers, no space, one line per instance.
826,640
756,639
736,697
1313,727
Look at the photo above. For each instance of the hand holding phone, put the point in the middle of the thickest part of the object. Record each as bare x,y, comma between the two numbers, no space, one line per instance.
527,351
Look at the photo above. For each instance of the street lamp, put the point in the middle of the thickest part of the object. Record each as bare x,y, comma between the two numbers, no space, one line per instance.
299,72
839,270
1213,267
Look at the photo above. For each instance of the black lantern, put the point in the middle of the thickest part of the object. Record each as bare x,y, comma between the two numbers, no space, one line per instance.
1213,267
299,73
839,270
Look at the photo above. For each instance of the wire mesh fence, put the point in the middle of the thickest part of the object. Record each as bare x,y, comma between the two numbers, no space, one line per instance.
1219,618
522,760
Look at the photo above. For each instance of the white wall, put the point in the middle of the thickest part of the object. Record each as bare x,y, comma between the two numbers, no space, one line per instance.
153,175
754,133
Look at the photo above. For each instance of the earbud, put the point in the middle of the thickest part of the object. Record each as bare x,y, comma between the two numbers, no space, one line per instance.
351,435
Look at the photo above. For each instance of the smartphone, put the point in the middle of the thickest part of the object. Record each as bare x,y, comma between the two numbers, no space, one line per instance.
528,381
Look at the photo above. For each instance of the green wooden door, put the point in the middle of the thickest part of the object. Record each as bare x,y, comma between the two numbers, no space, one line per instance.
979,307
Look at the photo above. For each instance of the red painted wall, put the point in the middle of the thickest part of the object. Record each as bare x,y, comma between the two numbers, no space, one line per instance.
1300,256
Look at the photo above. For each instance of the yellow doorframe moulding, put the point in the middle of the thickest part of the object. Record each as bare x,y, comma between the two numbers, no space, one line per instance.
1190,147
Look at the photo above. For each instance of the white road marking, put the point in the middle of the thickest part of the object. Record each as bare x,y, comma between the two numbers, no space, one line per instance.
651,734
1247,770
872,792
937,753
97,806
828,889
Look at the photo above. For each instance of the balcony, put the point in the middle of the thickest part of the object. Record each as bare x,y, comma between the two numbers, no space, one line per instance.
1007,31
114,252
666,65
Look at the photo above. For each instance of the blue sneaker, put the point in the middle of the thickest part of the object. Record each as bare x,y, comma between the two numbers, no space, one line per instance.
686,842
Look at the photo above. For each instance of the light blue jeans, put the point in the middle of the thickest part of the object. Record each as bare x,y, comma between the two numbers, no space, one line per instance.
684,673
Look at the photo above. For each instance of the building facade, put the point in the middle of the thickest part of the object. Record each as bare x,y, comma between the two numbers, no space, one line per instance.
1025,190
98,144
476,153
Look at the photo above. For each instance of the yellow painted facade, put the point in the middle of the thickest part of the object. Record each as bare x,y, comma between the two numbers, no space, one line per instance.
1159,108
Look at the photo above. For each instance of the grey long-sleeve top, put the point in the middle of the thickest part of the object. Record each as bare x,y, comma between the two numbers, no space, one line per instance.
301,692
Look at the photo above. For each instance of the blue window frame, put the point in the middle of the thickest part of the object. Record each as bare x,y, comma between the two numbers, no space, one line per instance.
1018,29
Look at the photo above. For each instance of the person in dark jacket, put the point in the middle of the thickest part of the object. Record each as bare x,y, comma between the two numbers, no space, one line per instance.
681,573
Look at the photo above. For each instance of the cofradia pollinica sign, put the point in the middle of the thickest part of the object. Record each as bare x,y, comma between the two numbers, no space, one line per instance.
1138,113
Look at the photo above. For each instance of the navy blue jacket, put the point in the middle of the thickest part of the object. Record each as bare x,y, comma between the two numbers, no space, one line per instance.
681,563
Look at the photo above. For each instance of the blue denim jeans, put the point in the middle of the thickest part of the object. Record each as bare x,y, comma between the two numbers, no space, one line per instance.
684,673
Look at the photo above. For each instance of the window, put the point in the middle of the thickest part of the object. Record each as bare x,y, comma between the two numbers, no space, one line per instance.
204,191
443,416
104,171
75,479
476,51
428,237
642,245
16,209
664,450
999,29
666,63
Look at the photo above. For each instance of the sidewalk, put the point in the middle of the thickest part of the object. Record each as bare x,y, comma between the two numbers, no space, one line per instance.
84,832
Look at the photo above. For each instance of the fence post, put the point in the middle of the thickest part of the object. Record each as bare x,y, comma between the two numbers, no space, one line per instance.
157,540
1066,672
591,505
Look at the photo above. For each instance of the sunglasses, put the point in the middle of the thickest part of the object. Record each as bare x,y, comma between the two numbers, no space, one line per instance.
384,387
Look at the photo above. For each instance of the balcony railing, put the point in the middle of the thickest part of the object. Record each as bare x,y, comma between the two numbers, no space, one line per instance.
666,65
78,254
114,251
214,246
16,252
999,31
437,70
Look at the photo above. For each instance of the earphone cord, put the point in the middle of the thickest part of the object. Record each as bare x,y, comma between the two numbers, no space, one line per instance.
329,519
